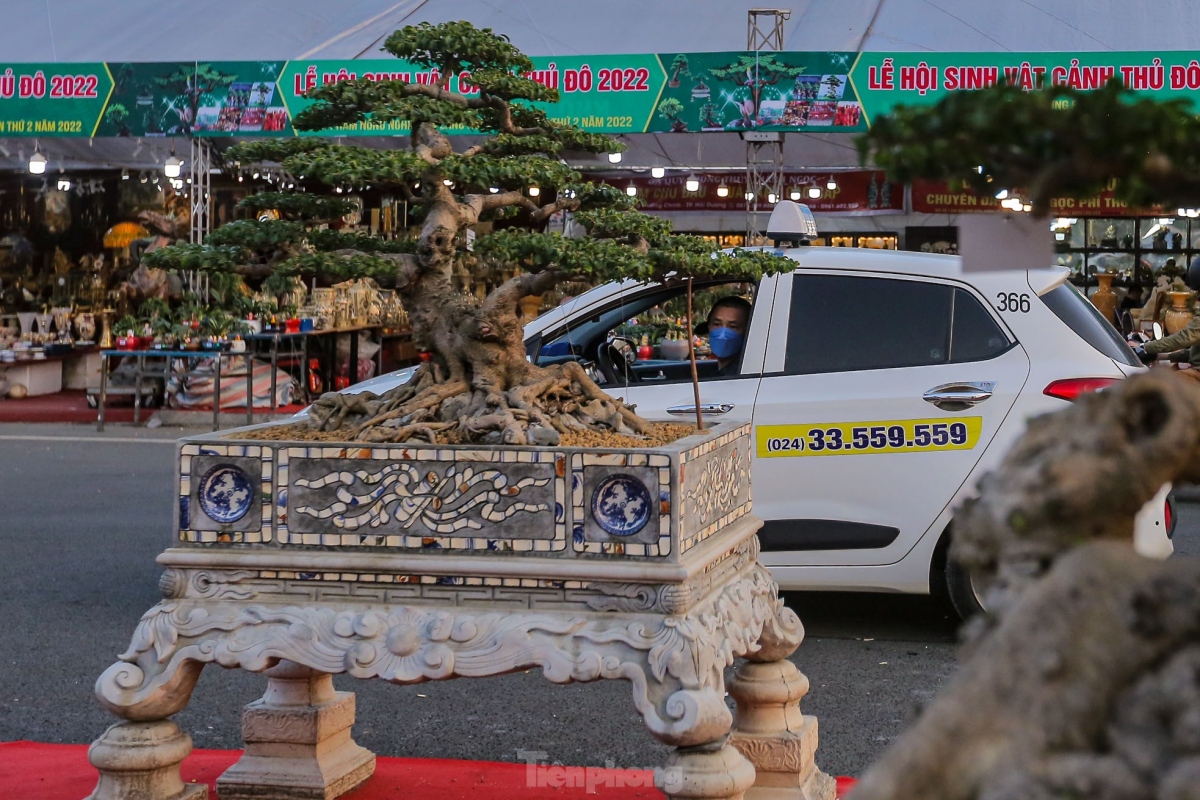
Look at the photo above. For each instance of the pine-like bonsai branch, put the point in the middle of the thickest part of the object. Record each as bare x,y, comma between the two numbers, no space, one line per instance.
477,385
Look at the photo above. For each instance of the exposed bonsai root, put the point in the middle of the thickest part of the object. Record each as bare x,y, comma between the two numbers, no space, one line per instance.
1087,685
549,402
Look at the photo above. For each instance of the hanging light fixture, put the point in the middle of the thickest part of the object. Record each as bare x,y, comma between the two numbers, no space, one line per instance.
771,198
631,190
722,191
657,172
614,158
173,165
1002,194
814,192
124,174
795,193
693,183
749,195
64,184
831,184
37,161
534,191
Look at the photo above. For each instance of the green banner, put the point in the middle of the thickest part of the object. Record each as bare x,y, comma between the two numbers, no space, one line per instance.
886,80
52,99
758,91
669,92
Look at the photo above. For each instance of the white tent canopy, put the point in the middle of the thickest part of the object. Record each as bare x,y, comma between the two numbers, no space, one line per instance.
233,30
225,30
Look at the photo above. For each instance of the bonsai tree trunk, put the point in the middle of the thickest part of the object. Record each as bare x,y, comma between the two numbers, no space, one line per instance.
478,350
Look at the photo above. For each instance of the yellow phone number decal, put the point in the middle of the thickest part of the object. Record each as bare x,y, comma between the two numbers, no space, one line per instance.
853,438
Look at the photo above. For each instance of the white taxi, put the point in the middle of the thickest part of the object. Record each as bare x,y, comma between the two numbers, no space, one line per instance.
880,384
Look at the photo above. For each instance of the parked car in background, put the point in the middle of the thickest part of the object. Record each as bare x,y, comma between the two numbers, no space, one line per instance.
881,385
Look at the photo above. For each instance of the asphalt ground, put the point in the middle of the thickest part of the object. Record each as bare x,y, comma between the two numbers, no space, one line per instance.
83,515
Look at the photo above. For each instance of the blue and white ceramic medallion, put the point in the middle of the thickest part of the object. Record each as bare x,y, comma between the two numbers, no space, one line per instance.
621,505
225,493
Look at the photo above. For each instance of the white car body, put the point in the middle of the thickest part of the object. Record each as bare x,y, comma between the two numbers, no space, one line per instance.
865,496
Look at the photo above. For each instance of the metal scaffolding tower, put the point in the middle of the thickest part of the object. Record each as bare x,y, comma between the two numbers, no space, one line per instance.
199,191
764,149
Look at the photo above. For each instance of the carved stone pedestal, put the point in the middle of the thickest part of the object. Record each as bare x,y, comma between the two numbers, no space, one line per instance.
298,743
140,761
769,729
416,563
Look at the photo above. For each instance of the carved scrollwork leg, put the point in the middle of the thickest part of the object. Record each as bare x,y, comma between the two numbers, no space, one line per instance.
298,743
140,761
768,727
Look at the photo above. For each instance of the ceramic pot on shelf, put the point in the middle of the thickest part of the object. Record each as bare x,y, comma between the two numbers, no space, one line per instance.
1177,316
673,349
85,325
26,320
62,320
1105,299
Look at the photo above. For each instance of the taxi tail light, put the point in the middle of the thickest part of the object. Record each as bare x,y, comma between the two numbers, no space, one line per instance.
1070,388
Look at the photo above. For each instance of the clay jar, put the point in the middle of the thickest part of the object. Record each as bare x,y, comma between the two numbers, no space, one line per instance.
1105,299
1177,316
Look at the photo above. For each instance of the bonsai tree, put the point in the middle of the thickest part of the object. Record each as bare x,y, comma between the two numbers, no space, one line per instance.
832,84
118,116
756,72
679,66
709,115
191,85
1053,142
670,109
477,385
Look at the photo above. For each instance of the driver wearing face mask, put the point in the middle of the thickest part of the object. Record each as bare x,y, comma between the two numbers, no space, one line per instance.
727,332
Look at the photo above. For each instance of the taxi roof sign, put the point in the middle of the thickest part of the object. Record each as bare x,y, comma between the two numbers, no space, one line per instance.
791,223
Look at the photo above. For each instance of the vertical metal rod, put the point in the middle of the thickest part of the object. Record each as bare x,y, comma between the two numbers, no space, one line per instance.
692,355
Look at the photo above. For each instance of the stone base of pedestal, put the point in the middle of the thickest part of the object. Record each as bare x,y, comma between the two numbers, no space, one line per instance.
784,765
707,773
297,752
140,761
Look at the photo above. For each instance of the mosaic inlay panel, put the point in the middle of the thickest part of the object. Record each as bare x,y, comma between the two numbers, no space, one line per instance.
225,494
621,504
422,498
716,486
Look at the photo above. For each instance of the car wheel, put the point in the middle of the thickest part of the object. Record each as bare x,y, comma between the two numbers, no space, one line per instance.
964,590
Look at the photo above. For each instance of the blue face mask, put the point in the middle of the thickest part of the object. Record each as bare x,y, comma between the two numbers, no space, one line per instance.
724,342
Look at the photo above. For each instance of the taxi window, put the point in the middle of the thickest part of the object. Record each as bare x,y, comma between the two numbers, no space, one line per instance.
975,334
844,323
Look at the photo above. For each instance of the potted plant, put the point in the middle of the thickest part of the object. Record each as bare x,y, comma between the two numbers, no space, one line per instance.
482,459
127,328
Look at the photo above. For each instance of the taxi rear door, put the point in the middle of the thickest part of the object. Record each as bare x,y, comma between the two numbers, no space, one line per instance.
879,395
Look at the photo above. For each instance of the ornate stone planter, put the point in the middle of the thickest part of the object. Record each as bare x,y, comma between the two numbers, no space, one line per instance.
415,563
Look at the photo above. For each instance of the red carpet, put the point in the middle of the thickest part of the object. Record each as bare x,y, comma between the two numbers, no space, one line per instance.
65,406
32,771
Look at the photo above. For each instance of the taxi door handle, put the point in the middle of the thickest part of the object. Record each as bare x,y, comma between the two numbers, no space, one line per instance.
959,396
705,408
